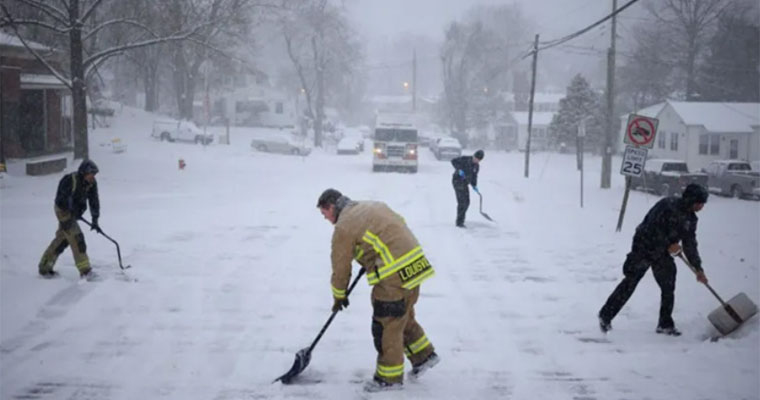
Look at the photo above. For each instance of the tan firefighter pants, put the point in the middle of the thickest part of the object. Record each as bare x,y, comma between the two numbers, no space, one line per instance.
68,234
396,333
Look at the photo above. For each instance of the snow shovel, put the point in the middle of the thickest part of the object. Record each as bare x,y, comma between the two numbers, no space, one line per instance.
730,315
118,251
304,355
481,208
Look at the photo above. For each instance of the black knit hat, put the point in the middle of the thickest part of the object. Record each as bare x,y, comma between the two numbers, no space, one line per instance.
695,193
329,196
479,154
88,167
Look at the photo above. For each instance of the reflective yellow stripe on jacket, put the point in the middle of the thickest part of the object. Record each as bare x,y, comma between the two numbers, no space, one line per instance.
393,265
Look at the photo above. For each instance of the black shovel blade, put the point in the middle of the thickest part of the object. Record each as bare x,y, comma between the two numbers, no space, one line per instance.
302,360
486,216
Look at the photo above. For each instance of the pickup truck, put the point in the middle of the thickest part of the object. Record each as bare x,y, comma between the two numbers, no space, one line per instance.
183,131
667,177
733,178
447,149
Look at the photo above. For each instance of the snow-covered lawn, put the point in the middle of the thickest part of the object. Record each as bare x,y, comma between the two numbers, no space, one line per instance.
231,259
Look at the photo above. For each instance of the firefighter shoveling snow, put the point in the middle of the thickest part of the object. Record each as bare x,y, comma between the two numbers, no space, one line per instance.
233,267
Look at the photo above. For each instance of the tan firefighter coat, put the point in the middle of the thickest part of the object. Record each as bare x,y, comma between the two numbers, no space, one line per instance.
378,238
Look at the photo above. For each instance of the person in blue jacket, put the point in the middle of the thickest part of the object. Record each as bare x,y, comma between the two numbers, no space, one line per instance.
465,172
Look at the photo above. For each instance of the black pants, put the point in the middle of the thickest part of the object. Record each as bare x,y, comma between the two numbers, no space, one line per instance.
463,200
636,264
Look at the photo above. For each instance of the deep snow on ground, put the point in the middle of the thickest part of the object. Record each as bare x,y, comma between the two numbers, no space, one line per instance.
231,259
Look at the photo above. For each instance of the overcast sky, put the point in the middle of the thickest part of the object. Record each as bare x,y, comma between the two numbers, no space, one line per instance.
391,17
385,22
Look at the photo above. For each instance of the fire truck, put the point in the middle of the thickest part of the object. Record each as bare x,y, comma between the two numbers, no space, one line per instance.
396,143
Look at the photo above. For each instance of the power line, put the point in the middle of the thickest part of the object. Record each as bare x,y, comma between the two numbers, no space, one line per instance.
551,43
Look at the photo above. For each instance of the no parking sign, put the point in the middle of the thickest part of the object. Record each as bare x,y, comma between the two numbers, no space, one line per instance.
639,136
640,131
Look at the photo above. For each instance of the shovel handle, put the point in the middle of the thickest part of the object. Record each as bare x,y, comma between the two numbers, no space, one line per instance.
730,310
334,313
694,270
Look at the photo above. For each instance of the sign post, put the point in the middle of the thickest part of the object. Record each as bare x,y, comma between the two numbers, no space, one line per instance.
639,136
581,136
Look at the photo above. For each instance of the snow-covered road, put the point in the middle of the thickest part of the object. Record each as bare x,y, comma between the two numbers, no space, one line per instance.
231,259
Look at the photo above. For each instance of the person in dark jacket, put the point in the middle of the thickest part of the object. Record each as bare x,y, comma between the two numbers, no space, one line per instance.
75,190
465,172
670,221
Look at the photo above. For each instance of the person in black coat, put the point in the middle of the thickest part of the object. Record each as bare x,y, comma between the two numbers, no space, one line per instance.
465,172
75,190
670,221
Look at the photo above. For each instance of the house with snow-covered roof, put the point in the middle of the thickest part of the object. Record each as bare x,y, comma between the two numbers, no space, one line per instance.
539,138
700,132
35,110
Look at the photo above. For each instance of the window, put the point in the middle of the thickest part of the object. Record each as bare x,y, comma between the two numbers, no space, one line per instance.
673,141
661,140
278,107
714,144
703,144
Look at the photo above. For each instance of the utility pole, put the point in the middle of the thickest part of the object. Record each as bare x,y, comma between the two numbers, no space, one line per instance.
414,80
530,107
609,123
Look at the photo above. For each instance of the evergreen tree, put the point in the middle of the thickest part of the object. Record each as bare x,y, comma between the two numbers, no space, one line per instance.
581,102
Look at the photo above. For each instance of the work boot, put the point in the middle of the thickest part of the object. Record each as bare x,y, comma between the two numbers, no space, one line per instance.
379,385
461,225
419,369
49,274
672,331
88,274
604,325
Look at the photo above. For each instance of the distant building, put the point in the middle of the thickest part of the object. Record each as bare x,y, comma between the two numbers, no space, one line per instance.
539,138
700,132
35,111
542,102
247,100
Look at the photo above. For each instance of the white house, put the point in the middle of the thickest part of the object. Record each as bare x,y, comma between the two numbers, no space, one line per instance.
539,139
542,101
700,132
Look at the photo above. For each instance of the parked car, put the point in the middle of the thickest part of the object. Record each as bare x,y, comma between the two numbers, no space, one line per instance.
667,177
177,130
733,178
280,144
349,145
447,149
355,135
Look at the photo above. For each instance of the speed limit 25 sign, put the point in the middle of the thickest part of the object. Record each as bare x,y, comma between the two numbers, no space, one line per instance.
633,161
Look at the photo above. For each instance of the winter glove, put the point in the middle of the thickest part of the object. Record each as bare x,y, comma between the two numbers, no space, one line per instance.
95,227
475,188
339,304
461,173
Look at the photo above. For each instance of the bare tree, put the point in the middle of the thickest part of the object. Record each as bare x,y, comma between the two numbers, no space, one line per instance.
477,56
646,74
690,22
319,44
187,57
75,20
